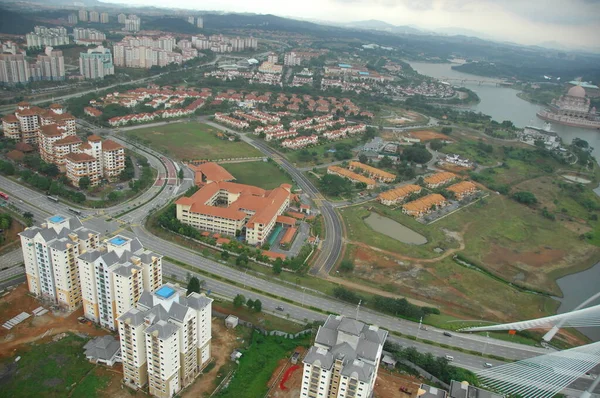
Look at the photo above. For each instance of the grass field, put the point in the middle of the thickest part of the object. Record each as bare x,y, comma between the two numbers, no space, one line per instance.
191,141
257,365
319,154
266,175
357,230
50,370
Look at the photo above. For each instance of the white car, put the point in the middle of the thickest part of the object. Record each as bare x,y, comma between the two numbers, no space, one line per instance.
487,365
449,357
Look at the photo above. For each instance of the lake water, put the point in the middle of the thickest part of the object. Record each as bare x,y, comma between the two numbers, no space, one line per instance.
394,230
502,103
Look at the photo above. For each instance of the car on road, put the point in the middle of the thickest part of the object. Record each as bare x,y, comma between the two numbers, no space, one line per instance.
487,365
449,357
279,308
447,334
423,328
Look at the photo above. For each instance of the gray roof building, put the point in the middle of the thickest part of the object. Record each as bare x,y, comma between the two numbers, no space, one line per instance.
103,349
465,390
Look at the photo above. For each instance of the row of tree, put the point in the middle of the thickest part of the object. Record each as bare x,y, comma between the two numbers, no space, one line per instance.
239,300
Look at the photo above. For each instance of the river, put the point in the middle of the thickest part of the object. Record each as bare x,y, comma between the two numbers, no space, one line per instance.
502,103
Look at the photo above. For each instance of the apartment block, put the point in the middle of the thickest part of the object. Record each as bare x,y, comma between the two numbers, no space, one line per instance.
114,276
72,19
87,36
132,23
146,52
49,66
94,16
14,69
228,208
44,36
83,15
165,340
96,63
50,254
344,360
104,17
200,22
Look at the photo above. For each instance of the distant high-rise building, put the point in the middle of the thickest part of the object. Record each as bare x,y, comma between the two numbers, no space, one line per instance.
50,255
121,18
9,47
50,65
191,20
104,17
132,23
83,15
200,22
44,36
88,36
96,63
72,18
165,340
14,69
290,59
272,58
94,16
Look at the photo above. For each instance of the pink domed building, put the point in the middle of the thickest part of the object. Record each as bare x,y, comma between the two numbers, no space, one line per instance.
572,109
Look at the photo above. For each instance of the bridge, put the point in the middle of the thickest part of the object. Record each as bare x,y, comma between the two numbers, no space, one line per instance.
495,82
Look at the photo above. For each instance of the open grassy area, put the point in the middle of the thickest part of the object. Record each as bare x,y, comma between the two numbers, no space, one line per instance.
319,154
266,175
50,370
261,319
257,364
358,231
191,141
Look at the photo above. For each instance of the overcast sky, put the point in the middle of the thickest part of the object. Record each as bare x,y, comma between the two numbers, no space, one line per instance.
570,22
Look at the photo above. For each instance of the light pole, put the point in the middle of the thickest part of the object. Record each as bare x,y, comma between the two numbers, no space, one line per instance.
486,343
303,292
245,272
419,329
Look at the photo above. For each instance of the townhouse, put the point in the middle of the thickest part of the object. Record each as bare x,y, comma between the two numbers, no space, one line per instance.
165,340
222,118
344,360
300,142
352,176
462,189
398,195
424,205
374,173
439,179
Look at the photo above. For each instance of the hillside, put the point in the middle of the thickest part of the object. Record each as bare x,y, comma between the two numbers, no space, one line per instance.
14,23
170,24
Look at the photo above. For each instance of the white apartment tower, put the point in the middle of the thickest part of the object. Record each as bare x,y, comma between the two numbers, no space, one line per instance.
50,254
104,17
94,16
132,23
200,22
83,15
344,359
114,276
165,340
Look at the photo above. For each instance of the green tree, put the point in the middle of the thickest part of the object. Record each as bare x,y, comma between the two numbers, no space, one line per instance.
278,266
416,153
386,162
525,197
346,266
239,300
250,303
436,145
242,260
180,174
334,185
225,255
193,285
446,130
257,305
113,196
363,158
84,182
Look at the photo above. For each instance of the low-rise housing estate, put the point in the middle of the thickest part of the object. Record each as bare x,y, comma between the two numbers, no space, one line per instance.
352,176
373,172
398,195
462,189
344,360
424,205
300,142
439,179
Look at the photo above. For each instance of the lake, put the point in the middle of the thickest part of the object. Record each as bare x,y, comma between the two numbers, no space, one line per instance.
394,230
502,103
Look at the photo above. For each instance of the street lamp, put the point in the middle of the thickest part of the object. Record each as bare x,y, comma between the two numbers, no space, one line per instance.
303,292
486,343
419,329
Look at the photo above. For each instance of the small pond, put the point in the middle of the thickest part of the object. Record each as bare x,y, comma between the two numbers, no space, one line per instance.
394,230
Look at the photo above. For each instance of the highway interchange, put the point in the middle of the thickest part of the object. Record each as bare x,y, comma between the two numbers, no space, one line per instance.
110,221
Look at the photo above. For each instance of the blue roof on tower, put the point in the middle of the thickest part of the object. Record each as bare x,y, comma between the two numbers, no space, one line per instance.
165,292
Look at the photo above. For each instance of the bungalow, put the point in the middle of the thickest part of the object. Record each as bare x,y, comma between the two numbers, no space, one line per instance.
93,112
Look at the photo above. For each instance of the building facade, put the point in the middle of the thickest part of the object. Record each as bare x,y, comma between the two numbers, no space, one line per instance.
50,254
165,340
114,276
83,15
132,23
96,63
14,69
344,360
44,36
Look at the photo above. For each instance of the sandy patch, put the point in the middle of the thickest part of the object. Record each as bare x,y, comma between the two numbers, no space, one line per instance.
428,135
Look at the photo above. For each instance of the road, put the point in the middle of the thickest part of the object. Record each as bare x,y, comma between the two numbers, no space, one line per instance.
131,225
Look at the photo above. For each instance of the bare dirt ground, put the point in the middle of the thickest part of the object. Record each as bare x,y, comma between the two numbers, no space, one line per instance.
35,327
428,135
224,341
293,383
388,385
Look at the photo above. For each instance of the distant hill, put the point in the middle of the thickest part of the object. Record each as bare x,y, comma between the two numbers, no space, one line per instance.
16,24
170,24
375,24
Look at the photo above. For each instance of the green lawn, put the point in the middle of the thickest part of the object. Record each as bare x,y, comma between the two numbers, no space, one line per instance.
266,175
319,154
470,149
357,230
50,370
257,364
191,141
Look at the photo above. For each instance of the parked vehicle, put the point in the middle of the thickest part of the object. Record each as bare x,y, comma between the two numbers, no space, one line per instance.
447,334
487,365
449,357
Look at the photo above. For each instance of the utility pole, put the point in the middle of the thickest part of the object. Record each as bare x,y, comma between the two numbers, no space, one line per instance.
419,329
486,343
358,308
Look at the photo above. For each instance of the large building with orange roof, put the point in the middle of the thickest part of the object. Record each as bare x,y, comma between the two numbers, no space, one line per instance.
229,208
424,205
439,179
352,176
397,195
373,172
208,172
462,189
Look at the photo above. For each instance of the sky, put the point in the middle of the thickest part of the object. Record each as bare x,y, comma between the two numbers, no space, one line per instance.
568,22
